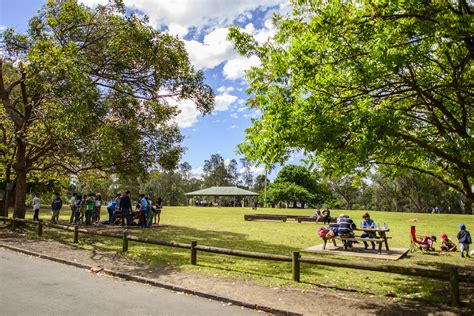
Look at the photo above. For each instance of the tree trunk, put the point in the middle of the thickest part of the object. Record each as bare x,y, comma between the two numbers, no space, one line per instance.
469,205
20,167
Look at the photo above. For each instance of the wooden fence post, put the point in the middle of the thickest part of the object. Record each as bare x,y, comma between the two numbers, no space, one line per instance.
13,224
125,242
193,252
40,228
296,266
76,234
454,285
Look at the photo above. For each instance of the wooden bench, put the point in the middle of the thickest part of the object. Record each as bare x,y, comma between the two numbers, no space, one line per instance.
270,217
344,240
301,219
284,218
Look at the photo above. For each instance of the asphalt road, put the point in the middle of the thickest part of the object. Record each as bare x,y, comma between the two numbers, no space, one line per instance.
33,286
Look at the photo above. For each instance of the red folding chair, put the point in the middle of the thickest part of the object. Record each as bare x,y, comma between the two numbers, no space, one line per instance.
423,243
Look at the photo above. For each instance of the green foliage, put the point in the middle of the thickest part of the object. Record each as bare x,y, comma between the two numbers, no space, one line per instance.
93,89
219,173
297,184
360,85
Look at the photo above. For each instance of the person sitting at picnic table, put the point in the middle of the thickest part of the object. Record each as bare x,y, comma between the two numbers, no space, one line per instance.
317,215
327,216
367,223
447,244
345,228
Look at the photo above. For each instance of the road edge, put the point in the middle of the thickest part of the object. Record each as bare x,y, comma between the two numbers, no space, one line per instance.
130,277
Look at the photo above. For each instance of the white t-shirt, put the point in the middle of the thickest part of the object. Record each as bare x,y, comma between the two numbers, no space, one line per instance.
36,203
72,201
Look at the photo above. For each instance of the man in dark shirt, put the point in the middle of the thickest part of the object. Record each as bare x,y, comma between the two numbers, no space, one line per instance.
126,208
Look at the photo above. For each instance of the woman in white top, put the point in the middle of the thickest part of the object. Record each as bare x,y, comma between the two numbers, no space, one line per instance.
36,206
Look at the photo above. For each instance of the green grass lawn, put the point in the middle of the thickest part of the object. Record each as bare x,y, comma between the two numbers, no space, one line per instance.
225,227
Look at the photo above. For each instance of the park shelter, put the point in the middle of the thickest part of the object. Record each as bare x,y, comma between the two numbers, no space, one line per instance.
225,192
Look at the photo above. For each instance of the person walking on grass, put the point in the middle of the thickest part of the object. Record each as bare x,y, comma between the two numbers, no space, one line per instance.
72,204
150,213
158,207
56,206
36,203
77,209
90,203
97,207
143,210
126,208
464,238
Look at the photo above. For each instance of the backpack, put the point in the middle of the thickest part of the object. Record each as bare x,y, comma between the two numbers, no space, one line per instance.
57,204
322,232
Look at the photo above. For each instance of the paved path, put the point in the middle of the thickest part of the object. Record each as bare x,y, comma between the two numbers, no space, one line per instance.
33,286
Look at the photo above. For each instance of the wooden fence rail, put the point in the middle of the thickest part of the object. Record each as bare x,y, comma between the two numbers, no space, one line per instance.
450,273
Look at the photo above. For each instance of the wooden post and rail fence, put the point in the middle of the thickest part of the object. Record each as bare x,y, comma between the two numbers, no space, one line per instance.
450,273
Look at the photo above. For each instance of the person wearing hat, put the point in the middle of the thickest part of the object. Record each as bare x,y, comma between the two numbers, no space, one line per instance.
367,223
447,244
464,238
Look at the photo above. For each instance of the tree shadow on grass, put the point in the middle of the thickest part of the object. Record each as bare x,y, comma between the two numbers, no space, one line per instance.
166,260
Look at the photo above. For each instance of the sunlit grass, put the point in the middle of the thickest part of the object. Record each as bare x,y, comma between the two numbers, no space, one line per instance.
225,227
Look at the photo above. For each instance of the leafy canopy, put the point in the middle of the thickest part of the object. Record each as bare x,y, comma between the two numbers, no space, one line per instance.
93,89
358,85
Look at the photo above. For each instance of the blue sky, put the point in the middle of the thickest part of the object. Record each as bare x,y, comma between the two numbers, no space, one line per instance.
202,25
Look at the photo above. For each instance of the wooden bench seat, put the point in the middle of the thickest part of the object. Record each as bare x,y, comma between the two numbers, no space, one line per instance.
344,240
249,217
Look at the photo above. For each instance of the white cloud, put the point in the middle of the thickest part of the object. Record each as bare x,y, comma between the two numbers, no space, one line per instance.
197,172
188,115
226,162
253,169
223,101
214,49
233,126
236,67
177,29
204,15
224,89
241,109
199,14
234,115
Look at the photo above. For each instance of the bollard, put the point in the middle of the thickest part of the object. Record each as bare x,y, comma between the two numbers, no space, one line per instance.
13,224
454,285
76,234
193,252
40,228
125,242
296,266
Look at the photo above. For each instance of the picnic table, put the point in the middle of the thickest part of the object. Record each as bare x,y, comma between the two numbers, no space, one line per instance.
382,239
381,231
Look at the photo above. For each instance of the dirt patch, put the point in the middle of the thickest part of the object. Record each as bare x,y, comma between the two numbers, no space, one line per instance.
307,302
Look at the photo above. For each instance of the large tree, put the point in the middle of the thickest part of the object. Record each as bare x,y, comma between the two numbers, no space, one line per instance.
93,89
218,172
298,184
360,85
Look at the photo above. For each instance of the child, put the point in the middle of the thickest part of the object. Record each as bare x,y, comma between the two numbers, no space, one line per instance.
447,244
465,240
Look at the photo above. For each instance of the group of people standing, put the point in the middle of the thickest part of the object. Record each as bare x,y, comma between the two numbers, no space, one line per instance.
121,211
89,207
85,205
